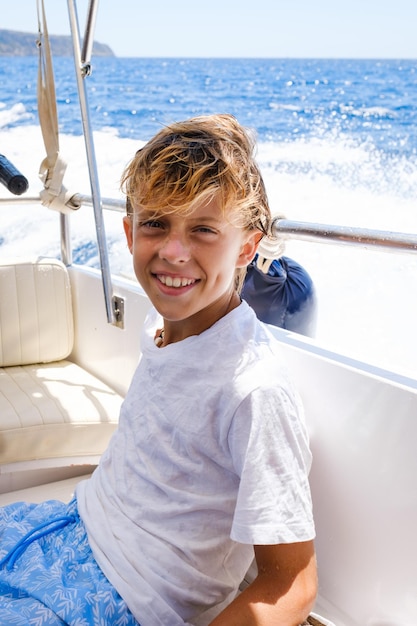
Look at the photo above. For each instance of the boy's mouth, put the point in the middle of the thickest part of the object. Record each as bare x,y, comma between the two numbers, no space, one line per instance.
175,281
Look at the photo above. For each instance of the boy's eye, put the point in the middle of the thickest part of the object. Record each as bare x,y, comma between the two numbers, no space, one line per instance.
150,224
205,229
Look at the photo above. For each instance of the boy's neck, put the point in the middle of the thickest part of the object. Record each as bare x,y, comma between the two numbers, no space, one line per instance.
174,331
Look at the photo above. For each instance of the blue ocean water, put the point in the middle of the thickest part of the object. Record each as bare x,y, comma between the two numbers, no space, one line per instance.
367,104
368,100
337,143
372,101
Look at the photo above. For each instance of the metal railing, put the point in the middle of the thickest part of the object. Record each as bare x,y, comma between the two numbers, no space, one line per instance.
82,70
388,241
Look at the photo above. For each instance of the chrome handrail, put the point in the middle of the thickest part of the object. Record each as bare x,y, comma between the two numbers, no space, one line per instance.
89,36
92,162
388,241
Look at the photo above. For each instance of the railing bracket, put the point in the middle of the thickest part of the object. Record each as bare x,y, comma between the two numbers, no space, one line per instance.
118,311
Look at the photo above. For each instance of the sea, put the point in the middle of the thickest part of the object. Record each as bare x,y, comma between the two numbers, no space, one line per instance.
336,143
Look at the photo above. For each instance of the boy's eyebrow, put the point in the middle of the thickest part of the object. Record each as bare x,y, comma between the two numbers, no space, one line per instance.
144,214
205,218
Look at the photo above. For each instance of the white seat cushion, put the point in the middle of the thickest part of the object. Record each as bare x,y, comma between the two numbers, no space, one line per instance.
54,411
36,323
60,490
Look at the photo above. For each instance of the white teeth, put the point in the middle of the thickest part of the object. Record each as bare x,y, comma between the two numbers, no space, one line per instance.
175,282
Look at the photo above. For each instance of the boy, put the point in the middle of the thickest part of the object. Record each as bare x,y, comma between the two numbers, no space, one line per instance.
209,464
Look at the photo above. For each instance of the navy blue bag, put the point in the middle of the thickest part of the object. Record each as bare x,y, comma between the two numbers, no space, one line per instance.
283,296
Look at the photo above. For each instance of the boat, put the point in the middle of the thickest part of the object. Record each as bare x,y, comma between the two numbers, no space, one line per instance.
69,343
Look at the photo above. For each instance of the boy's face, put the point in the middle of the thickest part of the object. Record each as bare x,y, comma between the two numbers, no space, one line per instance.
186,264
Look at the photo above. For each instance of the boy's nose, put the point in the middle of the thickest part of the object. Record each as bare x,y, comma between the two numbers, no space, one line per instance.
175,249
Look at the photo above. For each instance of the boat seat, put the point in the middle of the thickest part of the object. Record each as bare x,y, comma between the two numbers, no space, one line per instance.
53,412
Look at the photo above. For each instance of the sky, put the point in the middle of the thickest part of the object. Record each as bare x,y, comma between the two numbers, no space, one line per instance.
236,28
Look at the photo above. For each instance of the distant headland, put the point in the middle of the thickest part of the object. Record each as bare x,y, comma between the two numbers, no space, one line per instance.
14,43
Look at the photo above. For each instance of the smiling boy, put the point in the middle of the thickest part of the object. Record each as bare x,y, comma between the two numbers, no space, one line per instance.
209,465
224,454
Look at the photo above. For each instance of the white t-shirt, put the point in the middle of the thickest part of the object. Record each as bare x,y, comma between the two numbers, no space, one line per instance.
211,457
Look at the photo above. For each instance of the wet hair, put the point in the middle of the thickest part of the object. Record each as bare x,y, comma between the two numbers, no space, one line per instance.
196,160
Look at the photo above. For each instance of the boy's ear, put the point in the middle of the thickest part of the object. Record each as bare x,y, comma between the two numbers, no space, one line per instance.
249,248
128,228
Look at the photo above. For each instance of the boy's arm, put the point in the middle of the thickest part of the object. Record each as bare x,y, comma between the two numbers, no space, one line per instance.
283,592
